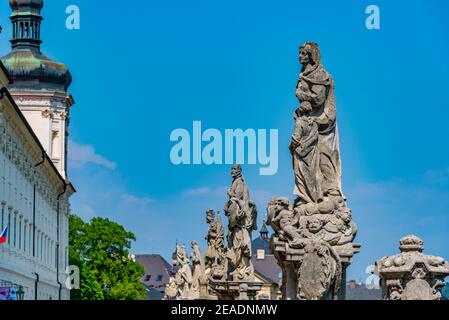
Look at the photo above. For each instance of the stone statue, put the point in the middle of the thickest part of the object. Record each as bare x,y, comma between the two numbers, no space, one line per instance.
411,275
183,277
313,235
216,262
171,290
242,217
197,269
284,221
314,145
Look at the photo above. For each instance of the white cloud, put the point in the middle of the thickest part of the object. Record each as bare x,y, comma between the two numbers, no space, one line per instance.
80,155
86,212
197,191
136,200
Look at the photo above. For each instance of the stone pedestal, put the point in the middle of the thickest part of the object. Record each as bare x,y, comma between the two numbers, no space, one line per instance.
291,259
411,275
235,290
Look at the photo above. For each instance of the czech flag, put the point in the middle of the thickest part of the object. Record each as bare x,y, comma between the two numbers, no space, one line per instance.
3,235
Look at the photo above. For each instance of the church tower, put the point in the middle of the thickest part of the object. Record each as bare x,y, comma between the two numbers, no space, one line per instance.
39,84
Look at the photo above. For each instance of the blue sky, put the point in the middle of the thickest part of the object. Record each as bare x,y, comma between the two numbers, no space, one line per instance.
144,68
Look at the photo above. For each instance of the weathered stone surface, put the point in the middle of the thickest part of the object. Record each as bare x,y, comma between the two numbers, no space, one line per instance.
242,220
411,275
314,234
198,275
229,271
186,285
216,261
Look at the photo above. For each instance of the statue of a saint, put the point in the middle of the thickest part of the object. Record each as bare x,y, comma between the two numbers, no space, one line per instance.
197,269
216,262
183,277
314,145
242,215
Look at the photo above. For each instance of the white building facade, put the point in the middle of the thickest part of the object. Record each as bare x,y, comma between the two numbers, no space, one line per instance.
34,190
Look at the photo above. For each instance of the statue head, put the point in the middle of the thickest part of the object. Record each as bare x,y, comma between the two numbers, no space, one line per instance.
210,216
275,205
306,108
314,224
193,244
309,53
345,214
181,252
236,171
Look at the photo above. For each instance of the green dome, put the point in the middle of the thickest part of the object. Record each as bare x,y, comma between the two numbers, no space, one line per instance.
28,67
32,66
19,4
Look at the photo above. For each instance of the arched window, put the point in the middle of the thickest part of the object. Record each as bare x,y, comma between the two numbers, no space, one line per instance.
21,30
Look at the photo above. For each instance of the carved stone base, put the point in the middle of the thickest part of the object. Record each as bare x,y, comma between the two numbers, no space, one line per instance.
411,274
291,262
235,290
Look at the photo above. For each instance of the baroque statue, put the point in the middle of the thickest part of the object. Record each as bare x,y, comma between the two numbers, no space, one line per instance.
411,275
314,233
216,261
242,220
183,277
197,270
186,283
314,144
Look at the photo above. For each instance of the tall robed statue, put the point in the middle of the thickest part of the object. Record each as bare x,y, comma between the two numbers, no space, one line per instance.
318,222
242,220
314,145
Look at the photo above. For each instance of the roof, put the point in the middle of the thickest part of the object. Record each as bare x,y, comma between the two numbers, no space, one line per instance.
264,229
36,70
268,268
156,270
5,72
260,243
363,293
153,294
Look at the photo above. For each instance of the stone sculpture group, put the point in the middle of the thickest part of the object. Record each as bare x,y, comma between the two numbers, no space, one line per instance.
189,275
313,235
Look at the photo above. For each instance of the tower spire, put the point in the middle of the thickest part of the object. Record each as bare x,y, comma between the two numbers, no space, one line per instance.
26,24
39,84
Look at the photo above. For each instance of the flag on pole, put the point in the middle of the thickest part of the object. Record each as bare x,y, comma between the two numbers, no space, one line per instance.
3,235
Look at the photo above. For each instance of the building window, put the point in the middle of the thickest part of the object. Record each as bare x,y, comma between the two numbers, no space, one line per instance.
159,277
148,277
3,216
42,246
20,233
55,144
25,236
9,224
15,228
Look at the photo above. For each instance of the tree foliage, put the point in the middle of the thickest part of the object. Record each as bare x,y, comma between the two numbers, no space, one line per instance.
100,249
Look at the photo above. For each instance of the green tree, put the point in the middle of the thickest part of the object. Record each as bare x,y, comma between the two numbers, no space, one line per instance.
101,250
